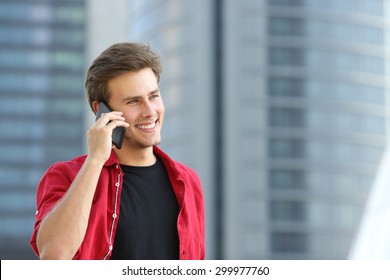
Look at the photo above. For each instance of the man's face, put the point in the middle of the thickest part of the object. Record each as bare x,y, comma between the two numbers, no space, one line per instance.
137,95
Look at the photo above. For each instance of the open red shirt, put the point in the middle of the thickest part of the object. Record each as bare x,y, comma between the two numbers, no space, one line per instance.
99,238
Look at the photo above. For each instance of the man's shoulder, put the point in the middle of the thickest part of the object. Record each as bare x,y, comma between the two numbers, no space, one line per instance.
167,160
183,172
182,167
73,164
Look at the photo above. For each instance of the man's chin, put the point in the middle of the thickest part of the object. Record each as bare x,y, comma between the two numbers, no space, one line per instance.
142,144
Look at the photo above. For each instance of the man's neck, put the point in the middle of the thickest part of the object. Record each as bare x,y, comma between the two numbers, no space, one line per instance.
135,157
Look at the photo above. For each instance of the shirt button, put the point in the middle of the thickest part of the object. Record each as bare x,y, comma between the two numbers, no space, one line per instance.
36,212
117,184
114,216
110,248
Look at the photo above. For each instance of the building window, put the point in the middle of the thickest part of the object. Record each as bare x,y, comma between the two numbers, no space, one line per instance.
325,30
286,56
325,90
286,87
286,148
286,117
284,210
374,7
289,242
286,2
353,62
284,179
285,26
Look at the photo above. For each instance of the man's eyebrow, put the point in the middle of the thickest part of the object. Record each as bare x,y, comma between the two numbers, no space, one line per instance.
127,98
154,91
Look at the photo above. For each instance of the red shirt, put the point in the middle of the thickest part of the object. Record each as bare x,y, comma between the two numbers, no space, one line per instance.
99,238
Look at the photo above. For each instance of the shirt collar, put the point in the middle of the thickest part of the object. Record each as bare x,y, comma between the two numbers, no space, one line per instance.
112,160
167,161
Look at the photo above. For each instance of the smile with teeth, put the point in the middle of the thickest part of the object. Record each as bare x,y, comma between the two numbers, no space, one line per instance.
149,126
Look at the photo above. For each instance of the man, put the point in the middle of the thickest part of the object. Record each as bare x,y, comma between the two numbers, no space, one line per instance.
129,203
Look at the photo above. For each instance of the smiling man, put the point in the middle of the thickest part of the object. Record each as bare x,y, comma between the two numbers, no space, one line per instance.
129,203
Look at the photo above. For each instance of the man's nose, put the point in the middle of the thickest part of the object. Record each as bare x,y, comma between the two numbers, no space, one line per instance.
147,109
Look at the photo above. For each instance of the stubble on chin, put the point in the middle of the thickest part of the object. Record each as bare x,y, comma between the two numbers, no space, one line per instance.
139,144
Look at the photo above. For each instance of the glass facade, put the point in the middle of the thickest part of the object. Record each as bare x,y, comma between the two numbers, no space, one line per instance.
327,121
303,116
180,31
41,106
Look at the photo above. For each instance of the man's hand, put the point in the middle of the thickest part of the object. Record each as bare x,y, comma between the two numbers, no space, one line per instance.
99,136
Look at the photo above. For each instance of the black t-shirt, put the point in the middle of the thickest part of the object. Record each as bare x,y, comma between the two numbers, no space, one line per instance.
147,226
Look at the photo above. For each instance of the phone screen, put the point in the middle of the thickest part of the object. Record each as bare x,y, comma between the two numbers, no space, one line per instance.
118,134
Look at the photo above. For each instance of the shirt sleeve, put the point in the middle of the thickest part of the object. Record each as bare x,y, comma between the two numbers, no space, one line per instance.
52,187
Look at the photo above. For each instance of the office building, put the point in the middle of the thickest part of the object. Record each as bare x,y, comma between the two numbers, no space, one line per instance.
42,45
281,107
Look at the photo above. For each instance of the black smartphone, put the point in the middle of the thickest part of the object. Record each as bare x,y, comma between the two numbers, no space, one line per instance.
118,134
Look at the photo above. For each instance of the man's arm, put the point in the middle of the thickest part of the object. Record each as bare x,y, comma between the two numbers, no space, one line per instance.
62,231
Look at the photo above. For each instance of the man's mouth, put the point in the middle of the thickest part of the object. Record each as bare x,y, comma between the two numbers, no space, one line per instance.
147,126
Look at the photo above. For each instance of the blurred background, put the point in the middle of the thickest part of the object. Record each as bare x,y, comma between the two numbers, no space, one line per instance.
281,106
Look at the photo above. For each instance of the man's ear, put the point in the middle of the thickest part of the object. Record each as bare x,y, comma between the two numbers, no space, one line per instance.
95,106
